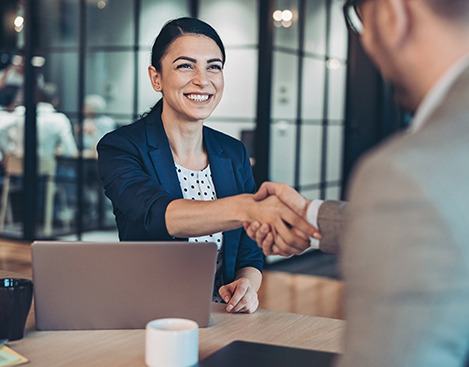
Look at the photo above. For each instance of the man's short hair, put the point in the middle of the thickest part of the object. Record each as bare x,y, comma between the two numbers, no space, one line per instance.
49,93
453,9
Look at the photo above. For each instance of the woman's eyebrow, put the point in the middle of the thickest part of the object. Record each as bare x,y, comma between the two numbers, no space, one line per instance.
214,60
185,58
195,61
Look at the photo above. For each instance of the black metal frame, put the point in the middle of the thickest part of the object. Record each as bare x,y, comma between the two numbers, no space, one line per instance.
323,183
264,91
30,159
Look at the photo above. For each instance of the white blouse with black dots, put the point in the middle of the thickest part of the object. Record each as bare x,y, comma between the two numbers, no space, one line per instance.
198,185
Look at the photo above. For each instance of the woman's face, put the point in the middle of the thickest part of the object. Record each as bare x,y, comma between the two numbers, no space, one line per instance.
190,79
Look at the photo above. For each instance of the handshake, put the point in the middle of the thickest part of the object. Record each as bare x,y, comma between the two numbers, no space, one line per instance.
278,220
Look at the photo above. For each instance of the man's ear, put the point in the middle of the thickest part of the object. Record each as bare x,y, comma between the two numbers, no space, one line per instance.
401,19
155,78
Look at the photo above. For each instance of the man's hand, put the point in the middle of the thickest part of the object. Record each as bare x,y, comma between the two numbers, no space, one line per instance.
289,229
264,234
240,296
287,194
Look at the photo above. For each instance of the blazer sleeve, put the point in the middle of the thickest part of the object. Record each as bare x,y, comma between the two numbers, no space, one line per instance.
249,254
330,225
139,200
407,277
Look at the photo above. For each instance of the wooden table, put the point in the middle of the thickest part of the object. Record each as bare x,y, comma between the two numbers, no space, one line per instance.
127,347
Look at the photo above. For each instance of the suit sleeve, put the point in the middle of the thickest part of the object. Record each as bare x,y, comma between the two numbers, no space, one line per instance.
249,254
330,225
133,192
407,278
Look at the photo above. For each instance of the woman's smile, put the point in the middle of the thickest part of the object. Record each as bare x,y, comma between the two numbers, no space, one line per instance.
195,97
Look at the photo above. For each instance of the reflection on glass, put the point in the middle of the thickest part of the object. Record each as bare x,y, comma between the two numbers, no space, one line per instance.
338,42
62,70
235,21
333,193
312,102
315,27
110,75
286,27
311,194
154,14
58,24
310,159
333,64
239,96
111,24
335,142
282,152
284,86
336,96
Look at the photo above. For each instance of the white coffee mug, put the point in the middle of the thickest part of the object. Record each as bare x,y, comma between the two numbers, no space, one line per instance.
172,343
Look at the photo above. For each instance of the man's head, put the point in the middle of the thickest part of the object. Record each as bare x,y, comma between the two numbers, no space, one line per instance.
412,42
49,94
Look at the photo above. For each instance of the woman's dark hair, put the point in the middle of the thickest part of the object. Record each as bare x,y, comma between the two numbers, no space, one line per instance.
170,32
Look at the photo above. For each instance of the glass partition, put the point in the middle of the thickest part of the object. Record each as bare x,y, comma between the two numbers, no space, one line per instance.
308,94
91,60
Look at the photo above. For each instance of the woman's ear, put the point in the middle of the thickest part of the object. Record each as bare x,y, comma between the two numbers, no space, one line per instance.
155,78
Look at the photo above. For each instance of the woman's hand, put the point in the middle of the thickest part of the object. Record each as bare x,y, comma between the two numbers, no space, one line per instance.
240,295
290,232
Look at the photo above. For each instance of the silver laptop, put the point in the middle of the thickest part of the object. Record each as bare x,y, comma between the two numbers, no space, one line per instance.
121,285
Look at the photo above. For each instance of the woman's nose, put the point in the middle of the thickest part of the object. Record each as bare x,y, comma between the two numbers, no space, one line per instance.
201,78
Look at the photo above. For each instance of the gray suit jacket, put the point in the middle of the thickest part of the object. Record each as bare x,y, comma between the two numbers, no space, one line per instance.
405,245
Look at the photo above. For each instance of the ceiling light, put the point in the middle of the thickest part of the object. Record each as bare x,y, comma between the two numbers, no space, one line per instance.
277,15
287,15
333,64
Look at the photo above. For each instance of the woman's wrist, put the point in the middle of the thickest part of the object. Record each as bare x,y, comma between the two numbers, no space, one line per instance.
242,205
251,273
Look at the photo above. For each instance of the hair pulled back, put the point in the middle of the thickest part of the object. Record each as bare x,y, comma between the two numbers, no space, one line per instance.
171,31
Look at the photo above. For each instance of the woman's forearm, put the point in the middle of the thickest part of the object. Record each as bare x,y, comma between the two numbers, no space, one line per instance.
193,218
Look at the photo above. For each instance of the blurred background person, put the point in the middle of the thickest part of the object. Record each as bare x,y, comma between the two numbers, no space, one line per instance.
54,139
54,130
96,124
12,83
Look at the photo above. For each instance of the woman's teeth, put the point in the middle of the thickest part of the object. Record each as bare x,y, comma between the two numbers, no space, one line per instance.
198,97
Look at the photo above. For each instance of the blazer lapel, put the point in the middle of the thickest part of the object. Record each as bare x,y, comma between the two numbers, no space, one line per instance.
221,167
161,156
225,185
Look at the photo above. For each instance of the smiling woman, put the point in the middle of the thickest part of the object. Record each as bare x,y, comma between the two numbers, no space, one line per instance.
170,177
192,86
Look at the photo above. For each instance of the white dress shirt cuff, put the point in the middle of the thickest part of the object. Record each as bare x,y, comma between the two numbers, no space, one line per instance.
312,218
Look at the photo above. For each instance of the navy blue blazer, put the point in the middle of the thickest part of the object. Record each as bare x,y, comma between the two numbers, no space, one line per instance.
138,173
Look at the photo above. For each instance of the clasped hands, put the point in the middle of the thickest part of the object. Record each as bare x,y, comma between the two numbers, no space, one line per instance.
276,220
284,230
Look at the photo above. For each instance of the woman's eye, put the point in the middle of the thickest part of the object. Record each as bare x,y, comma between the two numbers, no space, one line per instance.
215,67
184,66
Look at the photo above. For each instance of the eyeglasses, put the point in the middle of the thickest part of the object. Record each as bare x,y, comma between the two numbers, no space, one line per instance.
352,17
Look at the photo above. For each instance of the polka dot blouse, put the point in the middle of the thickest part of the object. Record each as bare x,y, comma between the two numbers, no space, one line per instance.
198,185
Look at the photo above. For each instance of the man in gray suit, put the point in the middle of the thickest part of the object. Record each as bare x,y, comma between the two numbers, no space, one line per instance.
405,241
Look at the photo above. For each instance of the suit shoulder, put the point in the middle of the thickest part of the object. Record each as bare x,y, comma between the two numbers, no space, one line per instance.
134,131
226,141
221,136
